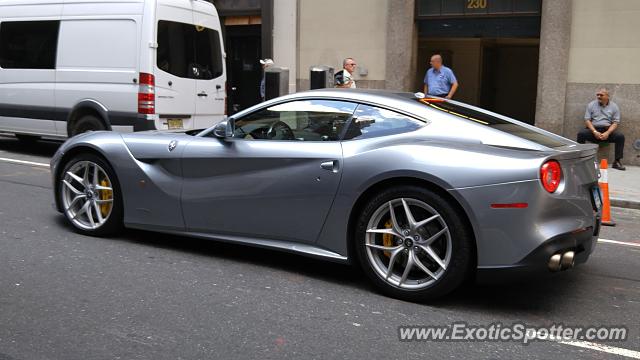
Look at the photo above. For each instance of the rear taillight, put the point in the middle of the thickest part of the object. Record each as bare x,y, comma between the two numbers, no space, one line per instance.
146,94
551,175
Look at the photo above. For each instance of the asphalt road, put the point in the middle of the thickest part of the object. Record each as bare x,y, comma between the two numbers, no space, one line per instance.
144,295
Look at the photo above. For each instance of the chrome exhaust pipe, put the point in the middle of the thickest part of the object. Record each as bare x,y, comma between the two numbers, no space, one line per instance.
568,260
554,262
562,261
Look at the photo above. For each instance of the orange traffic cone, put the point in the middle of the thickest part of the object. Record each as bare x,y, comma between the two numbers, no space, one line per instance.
603,182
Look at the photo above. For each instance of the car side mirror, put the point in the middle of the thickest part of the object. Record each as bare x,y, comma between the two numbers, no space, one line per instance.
224,129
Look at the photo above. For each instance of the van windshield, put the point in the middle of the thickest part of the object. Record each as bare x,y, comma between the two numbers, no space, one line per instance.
511,127
189,51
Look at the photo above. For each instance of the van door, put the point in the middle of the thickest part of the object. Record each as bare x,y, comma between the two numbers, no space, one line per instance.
210,83
27,77
96,64
174,83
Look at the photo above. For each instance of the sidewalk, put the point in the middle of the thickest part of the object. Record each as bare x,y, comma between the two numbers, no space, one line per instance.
624,187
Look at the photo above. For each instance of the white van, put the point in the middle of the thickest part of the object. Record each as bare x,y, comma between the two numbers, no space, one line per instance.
69,66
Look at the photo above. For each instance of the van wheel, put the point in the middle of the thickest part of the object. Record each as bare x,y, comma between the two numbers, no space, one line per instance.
27,139
87,123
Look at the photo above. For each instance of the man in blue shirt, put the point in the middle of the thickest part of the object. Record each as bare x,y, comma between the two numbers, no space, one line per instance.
440,80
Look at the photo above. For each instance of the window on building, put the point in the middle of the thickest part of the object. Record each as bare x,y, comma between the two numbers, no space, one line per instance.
28,44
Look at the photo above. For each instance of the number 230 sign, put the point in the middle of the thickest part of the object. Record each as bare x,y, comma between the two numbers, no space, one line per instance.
476,4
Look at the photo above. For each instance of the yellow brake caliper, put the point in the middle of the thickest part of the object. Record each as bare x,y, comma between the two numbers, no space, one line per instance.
105,195
387,239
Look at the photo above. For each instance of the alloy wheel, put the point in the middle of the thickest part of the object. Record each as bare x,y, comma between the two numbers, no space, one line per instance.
408,243
87,195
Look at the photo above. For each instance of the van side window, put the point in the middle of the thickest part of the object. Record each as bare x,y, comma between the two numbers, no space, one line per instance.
189,51
208,53
28,44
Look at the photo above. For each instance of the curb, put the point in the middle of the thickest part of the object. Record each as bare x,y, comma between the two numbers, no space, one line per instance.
624,203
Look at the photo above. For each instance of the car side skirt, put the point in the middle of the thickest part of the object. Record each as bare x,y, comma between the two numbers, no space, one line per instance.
287,246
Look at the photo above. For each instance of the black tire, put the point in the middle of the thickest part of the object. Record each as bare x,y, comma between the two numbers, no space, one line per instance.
372,260
114,222
87,123
27,139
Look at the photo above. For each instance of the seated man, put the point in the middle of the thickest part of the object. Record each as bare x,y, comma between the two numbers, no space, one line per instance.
602,119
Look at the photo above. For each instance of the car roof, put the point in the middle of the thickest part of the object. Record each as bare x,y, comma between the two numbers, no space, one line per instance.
408,103
404,101
358,94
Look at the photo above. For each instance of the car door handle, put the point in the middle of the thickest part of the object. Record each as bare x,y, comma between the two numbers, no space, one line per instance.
202,94
332,166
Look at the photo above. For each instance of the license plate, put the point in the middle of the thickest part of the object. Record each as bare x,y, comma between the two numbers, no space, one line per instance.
597,197
174,124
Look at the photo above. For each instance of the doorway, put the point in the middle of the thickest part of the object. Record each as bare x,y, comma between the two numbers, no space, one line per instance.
509,80
244,71
497,74
492,48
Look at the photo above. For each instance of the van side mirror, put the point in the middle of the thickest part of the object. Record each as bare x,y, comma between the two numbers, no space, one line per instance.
224,129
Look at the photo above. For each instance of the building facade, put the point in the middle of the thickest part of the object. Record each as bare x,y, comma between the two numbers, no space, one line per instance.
539,61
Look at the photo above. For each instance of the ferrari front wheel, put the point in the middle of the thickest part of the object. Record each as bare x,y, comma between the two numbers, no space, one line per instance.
90,195
412,244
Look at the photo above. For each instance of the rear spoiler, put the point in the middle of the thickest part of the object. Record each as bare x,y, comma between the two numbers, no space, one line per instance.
575,151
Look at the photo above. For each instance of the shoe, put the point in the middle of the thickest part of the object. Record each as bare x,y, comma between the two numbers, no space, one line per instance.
618,165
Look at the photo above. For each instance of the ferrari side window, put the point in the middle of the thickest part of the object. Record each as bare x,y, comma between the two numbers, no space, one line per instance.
301,120
370,121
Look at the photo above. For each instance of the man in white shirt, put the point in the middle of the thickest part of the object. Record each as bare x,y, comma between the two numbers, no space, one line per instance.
344,77
265,64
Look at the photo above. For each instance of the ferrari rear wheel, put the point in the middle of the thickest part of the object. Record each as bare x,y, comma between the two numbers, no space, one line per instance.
412,244
90,195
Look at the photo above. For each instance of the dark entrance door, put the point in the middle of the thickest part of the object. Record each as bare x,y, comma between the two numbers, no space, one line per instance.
244,71
509,80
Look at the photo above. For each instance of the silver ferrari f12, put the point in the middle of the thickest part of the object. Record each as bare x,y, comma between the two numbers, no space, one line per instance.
421,193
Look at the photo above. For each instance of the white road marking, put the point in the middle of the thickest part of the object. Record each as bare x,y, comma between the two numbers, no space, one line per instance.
24,162
603,348
619,242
